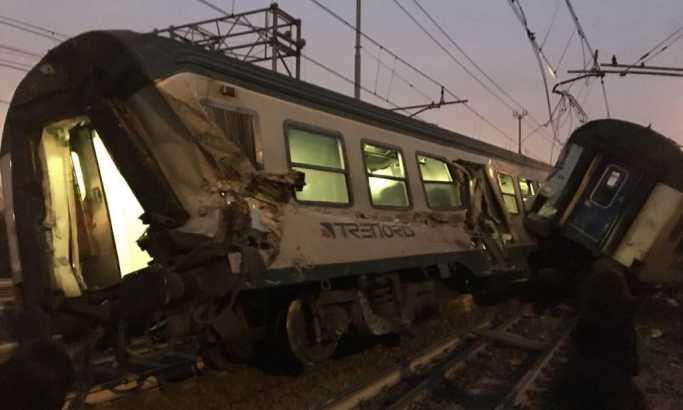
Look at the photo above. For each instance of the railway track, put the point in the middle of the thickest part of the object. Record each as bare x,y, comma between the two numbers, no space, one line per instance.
505,366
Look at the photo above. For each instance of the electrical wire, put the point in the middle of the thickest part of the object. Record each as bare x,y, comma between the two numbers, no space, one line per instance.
594,55
564,52
538,53
552,23
477,66
346,79
647,54
20,51
400,77
31,31
10,66
658,49
17,63
412,67
35,27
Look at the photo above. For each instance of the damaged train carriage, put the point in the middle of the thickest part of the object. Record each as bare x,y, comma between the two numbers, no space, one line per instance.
153,185
616,191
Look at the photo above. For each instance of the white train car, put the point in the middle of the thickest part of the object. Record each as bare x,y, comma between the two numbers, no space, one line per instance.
150,184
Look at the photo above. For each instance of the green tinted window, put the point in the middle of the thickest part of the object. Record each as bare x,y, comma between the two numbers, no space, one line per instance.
386,176
507,184
442,196
309,148
441,190
323,186
321,158
507,190
524,188
433,169
388,192
511,204
383,161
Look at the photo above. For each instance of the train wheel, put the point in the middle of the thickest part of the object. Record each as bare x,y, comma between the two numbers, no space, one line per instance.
301,327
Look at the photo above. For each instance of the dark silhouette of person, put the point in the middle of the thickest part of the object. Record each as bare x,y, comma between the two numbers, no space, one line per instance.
604,356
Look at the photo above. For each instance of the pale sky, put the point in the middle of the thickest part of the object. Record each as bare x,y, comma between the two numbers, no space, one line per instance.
487,31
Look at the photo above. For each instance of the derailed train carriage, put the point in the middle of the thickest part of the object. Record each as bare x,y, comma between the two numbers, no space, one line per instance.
616,191
154,188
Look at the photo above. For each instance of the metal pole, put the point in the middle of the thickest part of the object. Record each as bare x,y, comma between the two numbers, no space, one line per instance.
274,42
298,49
357,70
519,116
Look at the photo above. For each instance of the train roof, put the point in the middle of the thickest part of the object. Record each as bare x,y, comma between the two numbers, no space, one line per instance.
636,144
134,60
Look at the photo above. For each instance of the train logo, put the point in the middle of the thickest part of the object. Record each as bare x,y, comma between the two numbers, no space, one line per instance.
364,230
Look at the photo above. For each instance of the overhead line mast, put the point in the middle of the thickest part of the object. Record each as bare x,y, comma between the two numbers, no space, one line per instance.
357,70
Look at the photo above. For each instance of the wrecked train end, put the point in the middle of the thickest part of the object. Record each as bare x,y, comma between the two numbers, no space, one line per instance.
616,191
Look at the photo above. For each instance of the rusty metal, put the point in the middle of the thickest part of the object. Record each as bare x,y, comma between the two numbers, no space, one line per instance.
277,38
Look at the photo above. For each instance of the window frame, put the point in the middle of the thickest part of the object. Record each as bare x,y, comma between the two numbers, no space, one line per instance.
454,182
517,194
405,179
600,182
286,126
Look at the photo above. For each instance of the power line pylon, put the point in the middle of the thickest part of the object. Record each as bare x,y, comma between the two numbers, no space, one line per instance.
277,38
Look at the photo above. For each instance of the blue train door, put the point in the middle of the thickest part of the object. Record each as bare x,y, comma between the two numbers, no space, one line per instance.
601,203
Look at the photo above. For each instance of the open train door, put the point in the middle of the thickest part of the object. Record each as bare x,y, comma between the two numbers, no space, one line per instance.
485,215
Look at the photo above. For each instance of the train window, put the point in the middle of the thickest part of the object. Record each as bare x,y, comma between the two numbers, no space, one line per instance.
386,176
558,178
239,129
507,189
610,183
526,188
321,158
441,190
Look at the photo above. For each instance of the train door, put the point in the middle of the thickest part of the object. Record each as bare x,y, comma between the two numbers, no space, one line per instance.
93,213
601,203
485,211
92,219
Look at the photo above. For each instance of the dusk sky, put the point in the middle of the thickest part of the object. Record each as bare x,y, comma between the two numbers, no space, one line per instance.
487,31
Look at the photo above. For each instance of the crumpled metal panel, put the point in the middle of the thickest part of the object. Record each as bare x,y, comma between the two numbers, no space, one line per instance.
219,179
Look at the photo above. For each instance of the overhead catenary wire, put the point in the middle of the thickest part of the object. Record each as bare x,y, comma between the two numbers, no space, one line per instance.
450,38
31,31
346,79
538,53
596,65
13,67
552,22
414,68
20,51
397,75
663,48
658,48
17,63
35,27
